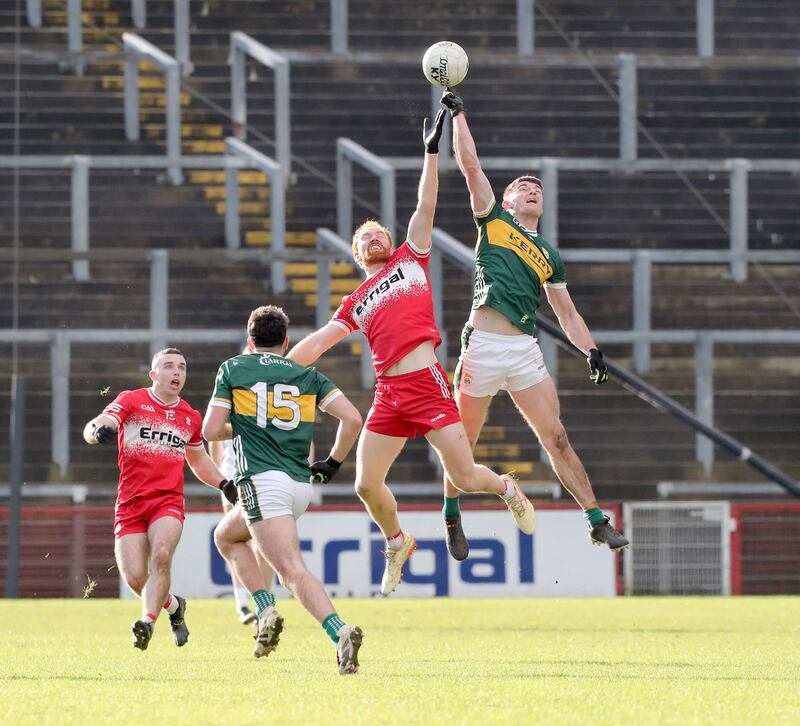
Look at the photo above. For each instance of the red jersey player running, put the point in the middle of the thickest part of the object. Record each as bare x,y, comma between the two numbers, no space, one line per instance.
394,309
156,431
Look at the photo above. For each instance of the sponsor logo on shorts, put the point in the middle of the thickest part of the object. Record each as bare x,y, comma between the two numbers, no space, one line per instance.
467,378
437,417
118,528
175,511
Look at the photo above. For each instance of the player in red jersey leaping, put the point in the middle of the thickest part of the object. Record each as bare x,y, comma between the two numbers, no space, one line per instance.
394,309
156,431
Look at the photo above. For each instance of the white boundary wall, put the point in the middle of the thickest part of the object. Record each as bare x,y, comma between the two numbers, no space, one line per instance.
344,550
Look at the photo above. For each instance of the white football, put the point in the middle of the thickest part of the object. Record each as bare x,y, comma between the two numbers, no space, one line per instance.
445,64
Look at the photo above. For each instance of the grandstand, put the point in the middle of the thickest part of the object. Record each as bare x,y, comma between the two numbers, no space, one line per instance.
549,94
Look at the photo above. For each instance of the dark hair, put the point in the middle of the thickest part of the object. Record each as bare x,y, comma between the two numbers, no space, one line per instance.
267,326
533,179
166,351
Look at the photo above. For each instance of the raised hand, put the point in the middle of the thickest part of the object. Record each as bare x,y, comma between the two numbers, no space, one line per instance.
452,102
430,137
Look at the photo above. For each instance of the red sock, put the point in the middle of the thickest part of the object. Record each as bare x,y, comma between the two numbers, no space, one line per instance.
152,618
167,602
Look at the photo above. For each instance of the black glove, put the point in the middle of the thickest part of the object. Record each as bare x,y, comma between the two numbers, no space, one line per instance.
430,137
598,372
454,103
228,488
323,471
104,434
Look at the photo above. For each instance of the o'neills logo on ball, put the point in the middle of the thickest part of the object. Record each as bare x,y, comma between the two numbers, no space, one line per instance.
439,73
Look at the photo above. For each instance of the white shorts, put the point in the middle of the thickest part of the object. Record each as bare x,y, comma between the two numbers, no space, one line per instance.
490,362
273,494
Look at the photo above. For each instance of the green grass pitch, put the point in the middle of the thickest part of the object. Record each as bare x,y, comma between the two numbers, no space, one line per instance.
468,661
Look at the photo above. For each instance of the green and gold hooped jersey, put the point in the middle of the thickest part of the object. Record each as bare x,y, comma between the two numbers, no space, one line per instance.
511,266
272,403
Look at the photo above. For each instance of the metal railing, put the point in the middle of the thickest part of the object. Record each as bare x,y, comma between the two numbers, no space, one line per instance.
138,49
239,156
525,27
243,45
60,341
737,169
347,153
139,16
277,201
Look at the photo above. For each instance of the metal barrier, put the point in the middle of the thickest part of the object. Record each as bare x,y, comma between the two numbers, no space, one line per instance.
277,202
239,156
348,152
60,341
738,170
138,49
139,16
243,45
526,37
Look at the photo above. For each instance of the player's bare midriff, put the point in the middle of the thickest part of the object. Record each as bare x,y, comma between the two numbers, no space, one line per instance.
421,357
490,320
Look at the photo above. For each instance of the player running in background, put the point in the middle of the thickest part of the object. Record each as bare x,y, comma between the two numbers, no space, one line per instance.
221,453
394,309
271,403
512,266
156,431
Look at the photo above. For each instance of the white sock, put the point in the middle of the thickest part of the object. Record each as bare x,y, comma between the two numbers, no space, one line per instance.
241,596
171,604
511,490
395,542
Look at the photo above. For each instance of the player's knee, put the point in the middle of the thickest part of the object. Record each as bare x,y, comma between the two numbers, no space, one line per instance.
463,478
160,558
556,441
364,489
292,575
222,539
135,581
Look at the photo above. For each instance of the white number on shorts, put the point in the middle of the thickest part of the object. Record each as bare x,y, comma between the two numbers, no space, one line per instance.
279,390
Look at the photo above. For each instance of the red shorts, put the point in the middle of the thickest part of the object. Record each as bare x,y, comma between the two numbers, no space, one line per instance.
137,514
412,403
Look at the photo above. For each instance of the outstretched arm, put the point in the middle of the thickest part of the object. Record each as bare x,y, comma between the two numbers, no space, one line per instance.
573,324
480,190
313,346
421,225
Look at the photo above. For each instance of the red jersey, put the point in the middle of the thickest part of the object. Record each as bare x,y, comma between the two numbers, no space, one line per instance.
152,437
393,307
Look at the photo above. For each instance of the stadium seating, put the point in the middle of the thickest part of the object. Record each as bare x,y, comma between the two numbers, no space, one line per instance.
520,107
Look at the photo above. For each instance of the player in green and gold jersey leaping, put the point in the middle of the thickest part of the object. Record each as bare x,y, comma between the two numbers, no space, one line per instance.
513,264
271,403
